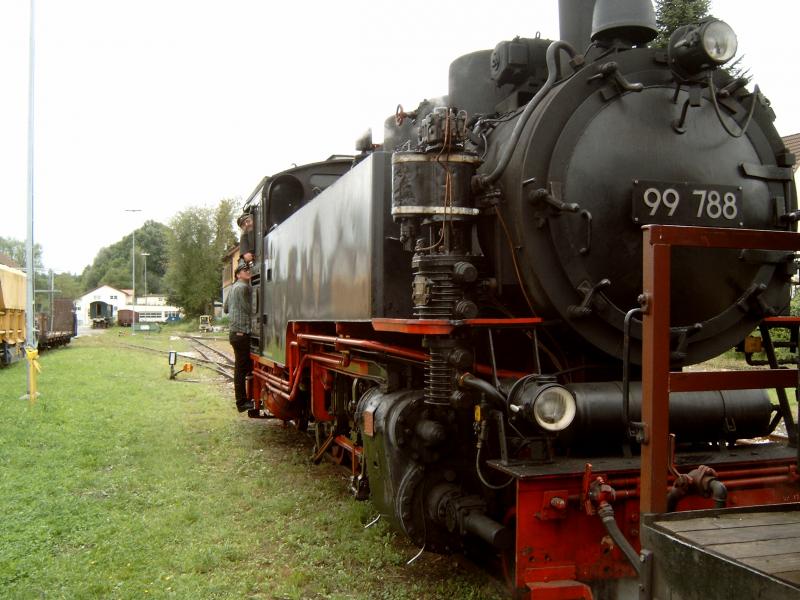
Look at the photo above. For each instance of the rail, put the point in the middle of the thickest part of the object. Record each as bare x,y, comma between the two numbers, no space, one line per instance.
657,379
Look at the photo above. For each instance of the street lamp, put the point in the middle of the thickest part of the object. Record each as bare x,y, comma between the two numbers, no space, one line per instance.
30,343
145,254
133,270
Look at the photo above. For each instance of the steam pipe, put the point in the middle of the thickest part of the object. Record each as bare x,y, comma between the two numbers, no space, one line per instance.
552,73
399,352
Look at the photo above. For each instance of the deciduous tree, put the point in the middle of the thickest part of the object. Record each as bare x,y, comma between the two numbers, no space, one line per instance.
112,265
198,242
16,249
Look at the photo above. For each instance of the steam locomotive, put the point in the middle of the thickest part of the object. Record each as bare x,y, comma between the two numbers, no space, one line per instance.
453,312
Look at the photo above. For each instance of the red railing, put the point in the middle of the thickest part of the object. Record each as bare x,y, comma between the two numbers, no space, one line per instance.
657,379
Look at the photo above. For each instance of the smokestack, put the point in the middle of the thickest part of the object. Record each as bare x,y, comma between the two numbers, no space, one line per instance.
575,22
631,21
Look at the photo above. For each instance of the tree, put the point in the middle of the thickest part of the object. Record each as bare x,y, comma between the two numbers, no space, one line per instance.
197,245
68,285
671,14
112,265
16,249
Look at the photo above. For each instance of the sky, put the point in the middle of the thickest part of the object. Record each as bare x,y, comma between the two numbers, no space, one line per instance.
163,105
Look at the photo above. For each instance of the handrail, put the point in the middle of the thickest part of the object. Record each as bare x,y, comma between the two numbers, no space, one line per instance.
657,380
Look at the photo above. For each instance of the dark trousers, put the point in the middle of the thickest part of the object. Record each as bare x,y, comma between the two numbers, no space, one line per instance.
241,353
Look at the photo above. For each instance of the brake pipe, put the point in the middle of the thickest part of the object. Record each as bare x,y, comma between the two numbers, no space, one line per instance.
398,351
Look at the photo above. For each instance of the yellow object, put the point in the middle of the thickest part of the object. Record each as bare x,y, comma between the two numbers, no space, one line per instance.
33,357
477,413
753,344
12,305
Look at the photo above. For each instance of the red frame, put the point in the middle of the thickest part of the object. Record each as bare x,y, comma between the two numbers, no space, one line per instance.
657,380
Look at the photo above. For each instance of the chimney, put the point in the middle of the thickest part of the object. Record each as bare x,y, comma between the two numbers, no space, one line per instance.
575,22
629,21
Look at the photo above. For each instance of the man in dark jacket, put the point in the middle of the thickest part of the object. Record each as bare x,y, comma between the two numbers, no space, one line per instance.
246,245
237,305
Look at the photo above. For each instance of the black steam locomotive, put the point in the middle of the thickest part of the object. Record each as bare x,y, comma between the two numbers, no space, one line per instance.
452,312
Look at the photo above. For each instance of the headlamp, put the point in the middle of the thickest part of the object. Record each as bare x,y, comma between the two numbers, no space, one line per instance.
702,46
554,408
543,402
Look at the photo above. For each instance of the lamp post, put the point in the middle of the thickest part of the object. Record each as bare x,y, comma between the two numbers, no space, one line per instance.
145,254
133,271
30,342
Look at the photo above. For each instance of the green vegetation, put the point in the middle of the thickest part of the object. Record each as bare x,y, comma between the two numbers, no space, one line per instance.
119,483
671,14
16,251
112,265
184,260
197,244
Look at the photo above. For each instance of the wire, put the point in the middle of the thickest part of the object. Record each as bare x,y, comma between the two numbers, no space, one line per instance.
448,192
751,110
514,260
480,475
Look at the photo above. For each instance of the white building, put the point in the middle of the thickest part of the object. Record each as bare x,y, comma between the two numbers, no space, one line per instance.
154,309
150,308
117,299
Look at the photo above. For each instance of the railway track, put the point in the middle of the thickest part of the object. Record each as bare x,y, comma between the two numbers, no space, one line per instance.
199,341
226,370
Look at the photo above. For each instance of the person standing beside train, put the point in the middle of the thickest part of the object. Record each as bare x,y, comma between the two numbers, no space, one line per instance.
237,305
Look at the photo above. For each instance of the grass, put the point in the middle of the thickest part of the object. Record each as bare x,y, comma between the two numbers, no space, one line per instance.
119,483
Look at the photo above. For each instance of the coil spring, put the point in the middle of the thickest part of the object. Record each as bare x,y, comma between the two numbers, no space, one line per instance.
438,375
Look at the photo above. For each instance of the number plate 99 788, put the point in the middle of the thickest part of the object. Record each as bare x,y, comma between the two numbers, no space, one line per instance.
687,204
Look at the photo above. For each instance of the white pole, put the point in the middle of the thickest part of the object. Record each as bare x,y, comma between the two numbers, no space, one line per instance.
133,275
145,254
29,327
133,272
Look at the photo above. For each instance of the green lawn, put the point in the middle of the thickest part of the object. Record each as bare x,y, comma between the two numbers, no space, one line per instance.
119,483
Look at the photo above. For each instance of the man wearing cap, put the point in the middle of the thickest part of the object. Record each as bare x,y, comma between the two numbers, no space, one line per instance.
237,305
246,246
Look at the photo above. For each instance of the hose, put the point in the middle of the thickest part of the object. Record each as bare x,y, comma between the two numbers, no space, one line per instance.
552,71
606,513
468,380
719,493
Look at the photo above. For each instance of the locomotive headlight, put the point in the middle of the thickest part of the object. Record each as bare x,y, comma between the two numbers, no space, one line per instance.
540,400
554,408
706,45
719,41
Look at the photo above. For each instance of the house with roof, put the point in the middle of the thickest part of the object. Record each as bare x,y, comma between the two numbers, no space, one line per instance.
116,298
150,308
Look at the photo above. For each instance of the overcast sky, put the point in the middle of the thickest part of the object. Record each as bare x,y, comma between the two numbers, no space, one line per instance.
164,104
